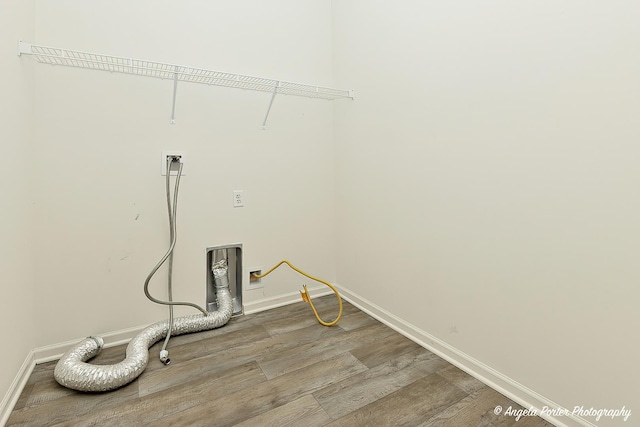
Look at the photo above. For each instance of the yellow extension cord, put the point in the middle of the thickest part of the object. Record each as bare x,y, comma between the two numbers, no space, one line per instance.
305,294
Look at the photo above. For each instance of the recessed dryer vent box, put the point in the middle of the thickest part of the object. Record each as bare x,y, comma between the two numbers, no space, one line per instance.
233,254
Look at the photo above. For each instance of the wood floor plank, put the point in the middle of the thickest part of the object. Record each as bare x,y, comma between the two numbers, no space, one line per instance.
177,354
292,322
353,393
461,379
478,410
71,406
192,360
227,357
259,349
378,352
292,310
290,360
305,410
45,391
24,397
235,323
154,407
356,320
42,372
408,406
191,346
240,406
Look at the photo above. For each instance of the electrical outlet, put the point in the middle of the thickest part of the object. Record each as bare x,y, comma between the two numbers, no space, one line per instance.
238,199
254,282
174,169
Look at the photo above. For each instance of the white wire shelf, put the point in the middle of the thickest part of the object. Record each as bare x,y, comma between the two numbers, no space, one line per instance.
139,67
177,73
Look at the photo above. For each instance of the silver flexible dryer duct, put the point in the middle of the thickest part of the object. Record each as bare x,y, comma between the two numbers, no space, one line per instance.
73,372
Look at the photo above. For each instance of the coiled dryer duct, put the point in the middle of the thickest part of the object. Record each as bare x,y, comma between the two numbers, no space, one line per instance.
73,372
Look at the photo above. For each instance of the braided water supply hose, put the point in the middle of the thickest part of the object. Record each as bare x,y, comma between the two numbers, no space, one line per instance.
172,208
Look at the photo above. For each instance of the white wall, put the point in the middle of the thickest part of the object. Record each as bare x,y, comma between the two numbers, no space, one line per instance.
101,215
486,174
488,183
17,302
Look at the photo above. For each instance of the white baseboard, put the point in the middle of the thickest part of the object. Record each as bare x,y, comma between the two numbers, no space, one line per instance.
282,300
111,339
18,384
489,376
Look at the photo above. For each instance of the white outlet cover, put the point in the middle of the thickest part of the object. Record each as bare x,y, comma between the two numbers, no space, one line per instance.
163,161
238,198
257,284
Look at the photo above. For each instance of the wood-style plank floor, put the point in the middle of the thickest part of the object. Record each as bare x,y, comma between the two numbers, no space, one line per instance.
278,368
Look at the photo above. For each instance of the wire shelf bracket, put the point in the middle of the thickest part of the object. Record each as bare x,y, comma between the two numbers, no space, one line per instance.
178,73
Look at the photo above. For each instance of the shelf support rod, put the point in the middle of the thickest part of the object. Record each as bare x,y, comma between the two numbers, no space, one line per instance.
273,96
175,90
